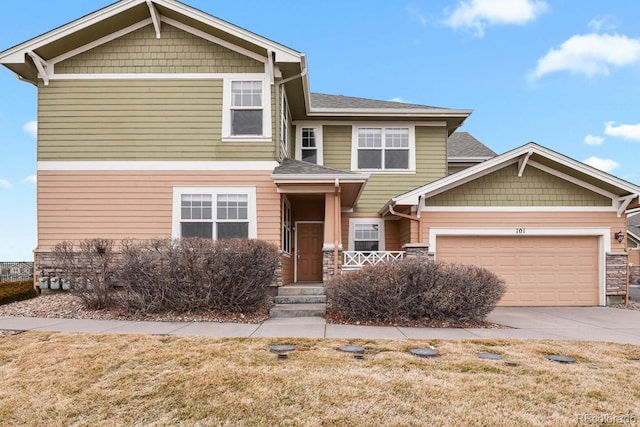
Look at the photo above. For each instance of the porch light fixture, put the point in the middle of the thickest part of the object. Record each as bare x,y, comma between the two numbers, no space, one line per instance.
619,236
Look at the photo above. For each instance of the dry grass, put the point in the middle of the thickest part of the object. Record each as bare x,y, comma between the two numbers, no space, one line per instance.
67,379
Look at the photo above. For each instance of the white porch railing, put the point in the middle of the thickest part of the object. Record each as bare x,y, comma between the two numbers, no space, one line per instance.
354,260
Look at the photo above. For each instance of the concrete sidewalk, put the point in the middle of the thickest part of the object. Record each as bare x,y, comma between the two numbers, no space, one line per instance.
568,323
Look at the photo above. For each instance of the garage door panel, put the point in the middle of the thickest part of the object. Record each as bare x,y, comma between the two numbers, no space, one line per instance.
538,270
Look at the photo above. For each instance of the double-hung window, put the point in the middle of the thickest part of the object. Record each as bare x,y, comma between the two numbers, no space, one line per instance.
246,108
384,148
366,234
214,212
309,144
246,114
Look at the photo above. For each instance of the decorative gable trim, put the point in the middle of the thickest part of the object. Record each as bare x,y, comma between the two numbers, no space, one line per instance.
627,191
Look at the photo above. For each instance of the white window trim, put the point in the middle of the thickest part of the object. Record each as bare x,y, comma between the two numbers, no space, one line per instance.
285,123
352,231
266,109
412,147
319,144
252,213
286,207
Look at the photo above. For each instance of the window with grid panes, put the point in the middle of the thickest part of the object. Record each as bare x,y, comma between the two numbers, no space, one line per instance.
246,108
383,148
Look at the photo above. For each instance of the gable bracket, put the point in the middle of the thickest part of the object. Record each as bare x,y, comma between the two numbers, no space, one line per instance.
522,163
624,203
41,65
155,17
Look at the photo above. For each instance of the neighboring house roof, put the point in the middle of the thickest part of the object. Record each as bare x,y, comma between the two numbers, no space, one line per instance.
464,147
624,194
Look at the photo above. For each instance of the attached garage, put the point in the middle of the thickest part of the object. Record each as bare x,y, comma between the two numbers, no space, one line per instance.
538,270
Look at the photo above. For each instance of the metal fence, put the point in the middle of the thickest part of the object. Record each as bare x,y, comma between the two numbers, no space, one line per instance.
13,271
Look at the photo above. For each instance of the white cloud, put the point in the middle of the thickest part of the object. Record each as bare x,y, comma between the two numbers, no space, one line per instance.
590,54
400,99
606,165
606,23
623,131
417,14
31,128
5,184
31,179
478,14
593,140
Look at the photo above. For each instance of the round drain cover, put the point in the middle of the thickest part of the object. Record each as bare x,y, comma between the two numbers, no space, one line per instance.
281,348
490,356
423,352
561,359
352,349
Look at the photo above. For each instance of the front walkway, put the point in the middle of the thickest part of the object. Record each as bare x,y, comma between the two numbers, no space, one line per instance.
566,323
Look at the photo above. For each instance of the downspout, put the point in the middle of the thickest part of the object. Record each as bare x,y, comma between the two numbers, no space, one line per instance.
411,217
278,113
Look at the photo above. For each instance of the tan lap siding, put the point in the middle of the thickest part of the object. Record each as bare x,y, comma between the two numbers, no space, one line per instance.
135,204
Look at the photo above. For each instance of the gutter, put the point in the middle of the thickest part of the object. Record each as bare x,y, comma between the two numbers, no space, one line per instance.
411,217
278,105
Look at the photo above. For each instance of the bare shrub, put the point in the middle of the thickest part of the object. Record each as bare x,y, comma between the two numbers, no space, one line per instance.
88,270
413,289
191,274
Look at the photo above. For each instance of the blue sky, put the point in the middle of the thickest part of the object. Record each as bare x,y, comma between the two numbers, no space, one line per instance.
562,73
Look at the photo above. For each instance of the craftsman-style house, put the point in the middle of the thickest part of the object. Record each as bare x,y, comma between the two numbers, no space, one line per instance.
159,120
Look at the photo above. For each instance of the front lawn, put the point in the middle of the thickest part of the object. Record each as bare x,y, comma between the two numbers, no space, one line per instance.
74,379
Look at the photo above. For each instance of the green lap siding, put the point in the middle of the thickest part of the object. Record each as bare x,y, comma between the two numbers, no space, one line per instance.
431,152
505,188
156,119
175,52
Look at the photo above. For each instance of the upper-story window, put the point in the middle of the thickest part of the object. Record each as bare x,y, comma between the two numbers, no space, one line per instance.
383,148
246,112
309,146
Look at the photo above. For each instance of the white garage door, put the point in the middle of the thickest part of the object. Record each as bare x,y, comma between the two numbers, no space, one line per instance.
538,271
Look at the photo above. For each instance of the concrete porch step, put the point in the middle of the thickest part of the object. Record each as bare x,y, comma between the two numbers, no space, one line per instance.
301,289
298,310
301,299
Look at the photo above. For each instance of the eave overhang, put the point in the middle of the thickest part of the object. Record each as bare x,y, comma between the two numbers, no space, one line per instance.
349,185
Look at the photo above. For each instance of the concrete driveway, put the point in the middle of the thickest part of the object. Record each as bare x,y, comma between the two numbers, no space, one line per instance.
582,323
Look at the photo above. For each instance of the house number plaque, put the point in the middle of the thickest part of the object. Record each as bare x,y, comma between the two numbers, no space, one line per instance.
520,230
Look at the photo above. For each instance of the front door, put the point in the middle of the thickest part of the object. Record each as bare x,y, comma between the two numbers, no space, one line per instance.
310,237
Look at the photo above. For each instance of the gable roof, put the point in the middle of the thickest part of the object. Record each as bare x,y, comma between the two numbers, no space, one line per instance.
33,58
624,194
126,16
462,146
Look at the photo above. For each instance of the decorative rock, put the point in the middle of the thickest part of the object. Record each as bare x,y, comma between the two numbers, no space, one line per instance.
423,352
490,356
281,348
510,363
636,360
352,349
561,359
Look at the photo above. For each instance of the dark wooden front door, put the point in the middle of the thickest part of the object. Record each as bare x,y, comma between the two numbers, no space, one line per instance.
310,238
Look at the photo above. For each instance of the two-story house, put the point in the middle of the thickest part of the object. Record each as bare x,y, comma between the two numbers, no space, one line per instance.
159,120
